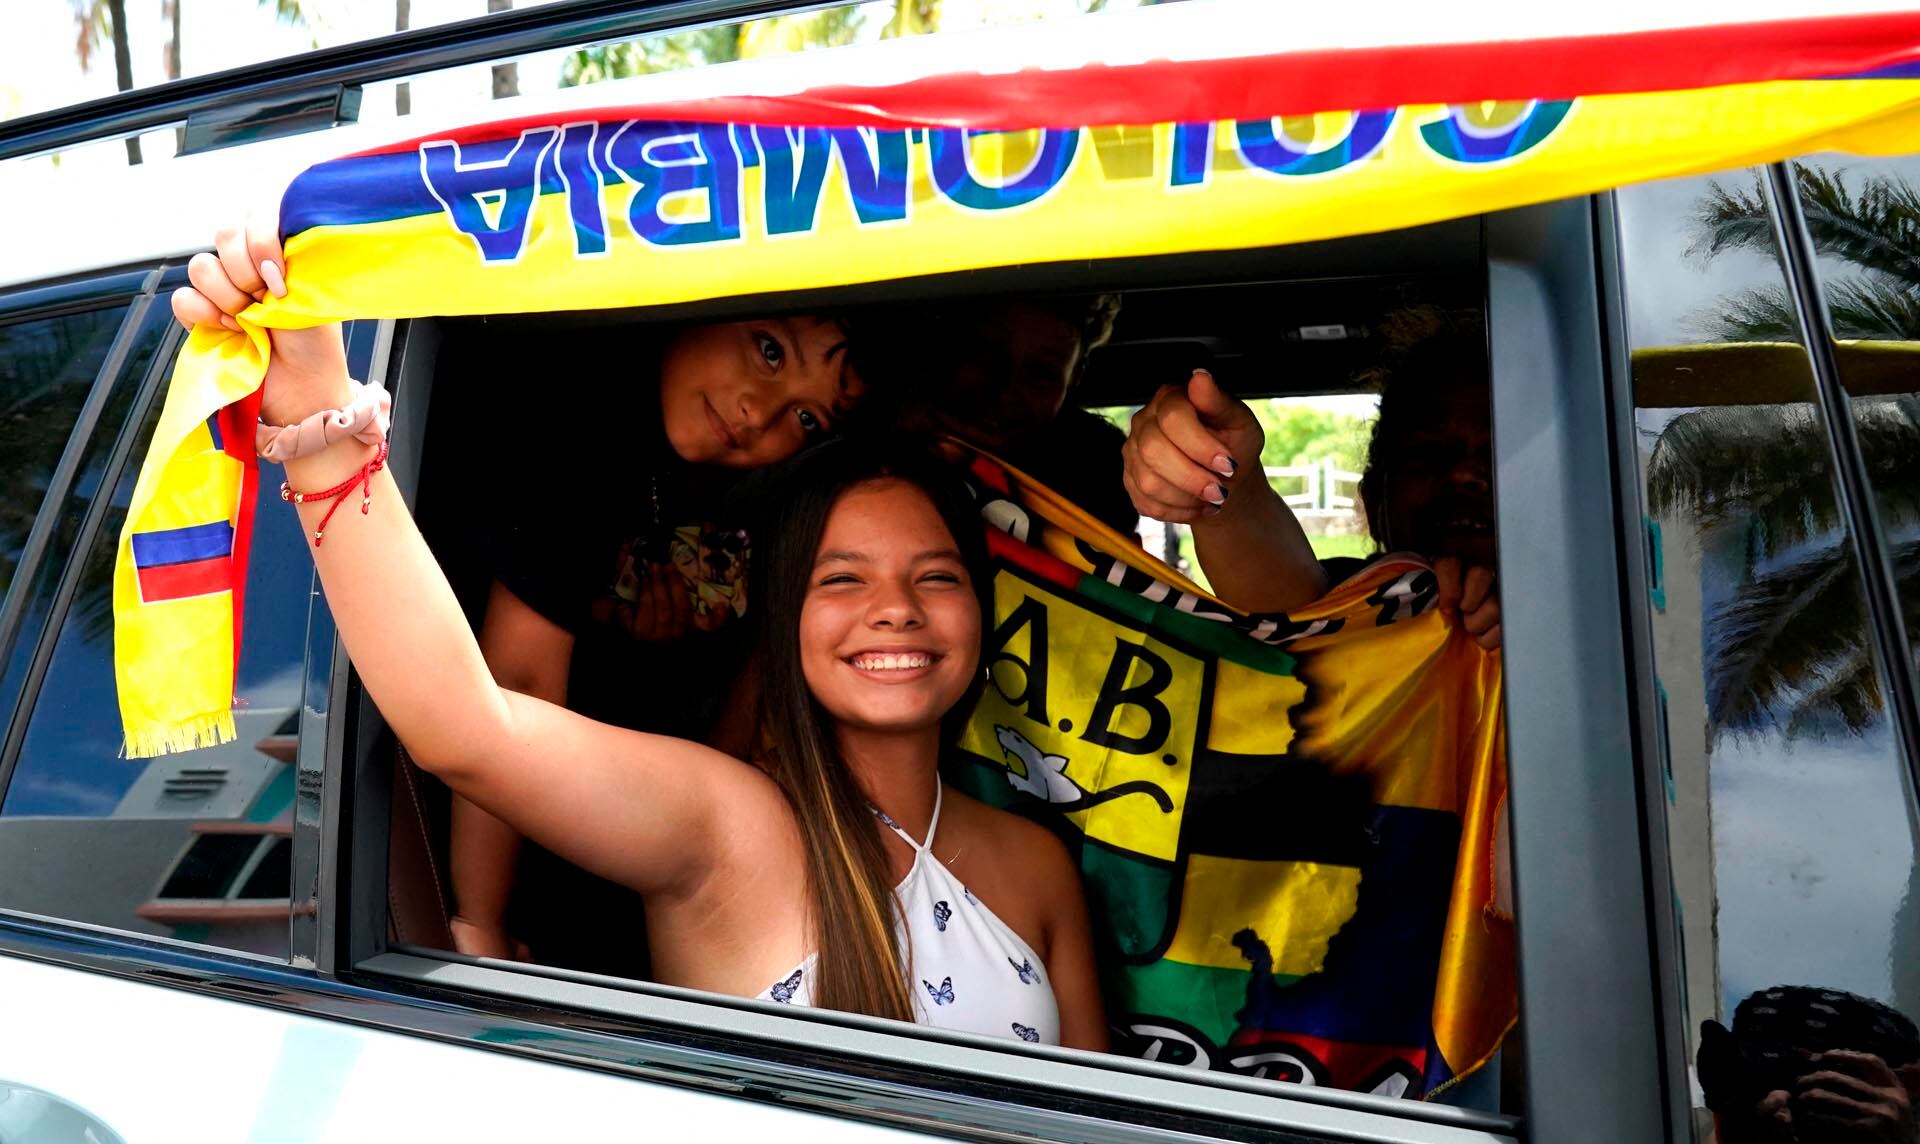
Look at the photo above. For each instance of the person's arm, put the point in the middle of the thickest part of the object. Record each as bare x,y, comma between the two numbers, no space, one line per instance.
612,801
1193,457
530,654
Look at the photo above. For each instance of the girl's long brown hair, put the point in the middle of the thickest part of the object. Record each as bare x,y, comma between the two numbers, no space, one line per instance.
859,967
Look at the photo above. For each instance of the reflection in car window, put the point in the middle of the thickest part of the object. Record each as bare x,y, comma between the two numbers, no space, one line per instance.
42,583
1864,217
47,367
1791,838
181,845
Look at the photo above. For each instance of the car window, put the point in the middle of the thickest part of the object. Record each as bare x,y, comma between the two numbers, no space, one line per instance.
196,845
47,368
1791,837
40,585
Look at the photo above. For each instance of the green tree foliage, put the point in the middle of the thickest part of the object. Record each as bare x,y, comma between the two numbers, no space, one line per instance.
1297,435
714,45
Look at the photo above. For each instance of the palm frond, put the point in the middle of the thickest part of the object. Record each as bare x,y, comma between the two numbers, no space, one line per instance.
1765,470
1758,314
1874,308
1876,229
1762,469
1790,653
1731,218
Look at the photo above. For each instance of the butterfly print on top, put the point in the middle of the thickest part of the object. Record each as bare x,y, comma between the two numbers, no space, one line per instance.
1026,1032
941,912
1028,974
783,991
942,995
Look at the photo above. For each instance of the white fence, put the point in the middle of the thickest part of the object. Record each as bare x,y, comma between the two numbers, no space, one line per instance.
1328,491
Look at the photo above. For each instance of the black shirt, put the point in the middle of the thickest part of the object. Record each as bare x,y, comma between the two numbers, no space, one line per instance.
579,555
573,547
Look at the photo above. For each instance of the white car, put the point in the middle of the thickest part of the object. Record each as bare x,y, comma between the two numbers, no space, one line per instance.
1710,704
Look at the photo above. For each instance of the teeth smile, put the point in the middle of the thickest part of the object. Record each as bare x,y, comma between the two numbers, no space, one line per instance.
903,662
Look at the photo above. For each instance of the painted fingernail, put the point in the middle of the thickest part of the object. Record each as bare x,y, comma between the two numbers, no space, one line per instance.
1225,465
1214,494
227,321
270,274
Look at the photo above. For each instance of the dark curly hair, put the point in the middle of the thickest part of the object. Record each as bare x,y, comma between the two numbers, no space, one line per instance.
1776,1030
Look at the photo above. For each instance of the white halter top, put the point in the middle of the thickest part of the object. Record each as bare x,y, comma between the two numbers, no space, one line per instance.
967,970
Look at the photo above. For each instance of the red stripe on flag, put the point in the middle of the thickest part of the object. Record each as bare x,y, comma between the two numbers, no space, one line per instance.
179,581
237,427
1293,83
1045,565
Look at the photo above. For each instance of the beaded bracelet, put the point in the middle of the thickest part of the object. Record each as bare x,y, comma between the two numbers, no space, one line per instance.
362,479
366,418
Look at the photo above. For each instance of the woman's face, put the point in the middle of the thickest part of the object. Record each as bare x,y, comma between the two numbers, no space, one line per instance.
890,631
748,394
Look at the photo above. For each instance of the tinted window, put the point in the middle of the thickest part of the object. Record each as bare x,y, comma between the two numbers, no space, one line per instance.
1792,840
171,845
47,367
40,585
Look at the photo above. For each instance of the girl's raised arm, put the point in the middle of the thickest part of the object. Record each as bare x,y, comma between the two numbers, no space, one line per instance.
643,810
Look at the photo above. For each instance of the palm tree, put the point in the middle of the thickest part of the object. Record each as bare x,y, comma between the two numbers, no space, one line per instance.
106,19
1789,651
402,93
506,77
1875,230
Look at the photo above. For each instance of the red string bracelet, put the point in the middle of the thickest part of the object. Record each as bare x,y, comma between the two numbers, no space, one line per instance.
335,494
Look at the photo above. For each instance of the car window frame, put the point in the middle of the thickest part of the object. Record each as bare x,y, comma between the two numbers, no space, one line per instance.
355,917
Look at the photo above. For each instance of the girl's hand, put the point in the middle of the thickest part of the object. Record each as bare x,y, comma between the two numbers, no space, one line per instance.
308,369
662,611
1185,447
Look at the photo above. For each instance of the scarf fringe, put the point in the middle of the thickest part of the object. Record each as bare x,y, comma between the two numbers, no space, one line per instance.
155,739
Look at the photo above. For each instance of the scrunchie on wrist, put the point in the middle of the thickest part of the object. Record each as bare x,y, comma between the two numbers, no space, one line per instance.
366,418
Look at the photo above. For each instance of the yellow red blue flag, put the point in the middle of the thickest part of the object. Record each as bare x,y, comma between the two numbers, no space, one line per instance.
1287,825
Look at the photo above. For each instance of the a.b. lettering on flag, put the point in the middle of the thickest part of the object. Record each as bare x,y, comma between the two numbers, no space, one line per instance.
1115,759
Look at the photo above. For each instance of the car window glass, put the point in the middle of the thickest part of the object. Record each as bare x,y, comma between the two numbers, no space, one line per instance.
40,584
1864,217
1791,839
192,845
47,367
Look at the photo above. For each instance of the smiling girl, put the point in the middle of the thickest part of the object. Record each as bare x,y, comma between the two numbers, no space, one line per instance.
840,872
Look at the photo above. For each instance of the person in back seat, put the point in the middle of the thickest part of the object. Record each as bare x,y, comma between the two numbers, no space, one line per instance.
619,590
998,376
1193,457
